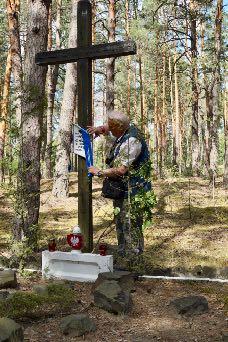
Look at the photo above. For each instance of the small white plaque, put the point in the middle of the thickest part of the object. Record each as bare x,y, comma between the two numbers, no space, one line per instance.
78,142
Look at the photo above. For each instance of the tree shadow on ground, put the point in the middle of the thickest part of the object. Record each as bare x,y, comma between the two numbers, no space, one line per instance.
56,214
75,194
103,225
202,215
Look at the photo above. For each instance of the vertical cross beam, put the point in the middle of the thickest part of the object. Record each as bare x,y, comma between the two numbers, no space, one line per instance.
84,85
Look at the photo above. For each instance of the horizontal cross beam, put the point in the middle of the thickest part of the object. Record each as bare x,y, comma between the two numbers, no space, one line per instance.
99,51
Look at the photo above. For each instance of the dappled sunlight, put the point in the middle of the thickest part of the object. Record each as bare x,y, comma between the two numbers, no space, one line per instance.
179,236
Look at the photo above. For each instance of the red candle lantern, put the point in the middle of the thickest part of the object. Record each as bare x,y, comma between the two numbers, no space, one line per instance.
75,240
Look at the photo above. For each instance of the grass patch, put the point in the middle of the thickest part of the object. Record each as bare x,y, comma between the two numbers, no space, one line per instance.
30,304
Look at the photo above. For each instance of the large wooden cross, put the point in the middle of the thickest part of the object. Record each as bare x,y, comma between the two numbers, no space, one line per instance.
83,54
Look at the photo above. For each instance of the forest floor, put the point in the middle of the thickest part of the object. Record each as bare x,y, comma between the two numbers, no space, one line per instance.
151,319
189,228
189,231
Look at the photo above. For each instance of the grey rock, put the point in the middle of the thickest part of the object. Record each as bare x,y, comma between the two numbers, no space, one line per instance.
111,297
8,279
225,336
77,325
190,305
123,278
10,331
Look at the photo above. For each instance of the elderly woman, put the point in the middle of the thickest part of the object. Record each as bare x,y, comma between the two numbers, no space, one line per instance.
122,179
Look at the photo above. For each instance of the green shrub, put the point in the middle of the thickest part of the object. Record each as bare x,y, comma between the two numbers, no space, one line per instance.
29,304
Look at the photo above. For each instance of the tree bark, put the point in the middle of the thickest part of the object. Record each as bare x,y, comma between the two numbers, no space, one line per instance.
52,77
214,95
195,93
127,28
13,10
174,150
4,112
110,64
225,176
177,119
156,123
163,123
61,177
142,96
28,185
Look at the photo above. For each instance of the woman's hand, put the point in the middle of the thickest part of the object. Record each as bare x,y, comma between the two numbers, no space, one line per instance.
98,130
93,130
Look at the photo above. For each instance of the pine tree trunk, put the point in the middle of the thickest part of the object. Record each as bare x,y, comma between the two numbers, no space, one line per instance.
216,90
195,93
13,10
142,101
110,63
61,177
127,28
28,187
52,77
177,119
4,112
225,176
156,123
174,149
212,95
94,13
164,113
135,89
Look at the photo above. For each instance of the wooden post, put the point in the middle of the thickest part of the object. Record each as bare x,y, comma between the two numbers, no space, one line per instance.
84,82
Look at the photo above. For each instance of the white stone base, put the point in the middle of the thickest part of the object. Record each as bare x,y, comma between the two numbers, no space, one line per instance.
75,266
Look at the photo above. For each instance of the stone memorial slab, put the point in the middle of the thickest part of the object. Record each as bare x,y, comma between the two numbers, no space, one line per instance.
83,267
8,279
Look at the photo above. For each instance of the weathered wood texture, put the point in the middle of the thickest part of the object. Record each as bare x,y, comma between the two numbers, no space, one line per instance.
84,85
100,51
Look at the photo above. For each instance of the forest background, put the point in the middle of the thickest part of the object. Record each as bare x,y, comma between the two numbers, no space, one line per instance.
174,89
